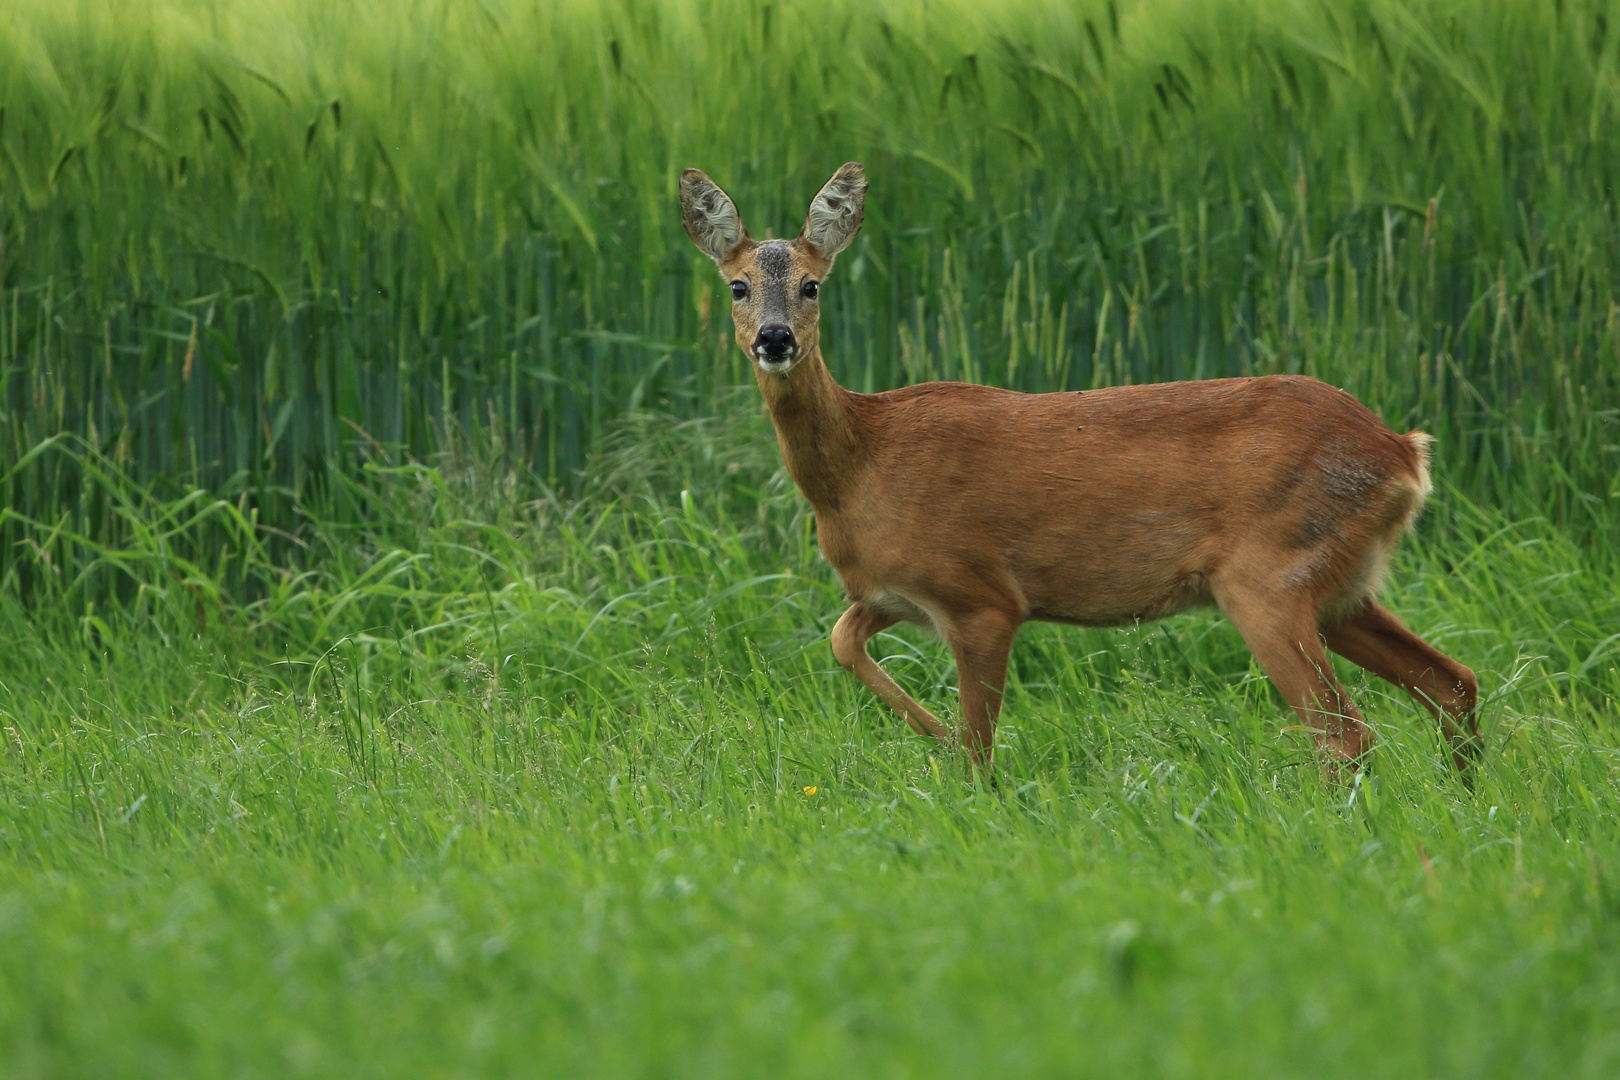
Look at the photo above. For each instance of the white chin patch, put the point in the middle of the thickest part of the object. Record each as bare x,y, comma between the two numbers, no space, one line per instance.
773,365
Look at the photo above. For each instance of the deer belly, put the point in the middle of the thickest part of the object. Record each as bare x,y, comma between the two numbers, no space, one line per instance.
1086,597
897,606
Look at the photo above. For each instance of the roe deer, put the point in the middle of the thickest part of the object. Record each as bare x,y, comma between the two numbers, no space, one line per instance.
971,510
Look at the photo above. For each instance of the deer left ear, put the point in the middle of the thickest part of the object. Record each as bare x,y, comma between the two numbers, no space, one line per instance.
710,217
837,211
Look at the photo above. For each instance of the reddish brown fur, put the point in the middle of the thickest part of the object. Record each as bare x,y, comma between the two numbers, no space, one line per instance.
972,510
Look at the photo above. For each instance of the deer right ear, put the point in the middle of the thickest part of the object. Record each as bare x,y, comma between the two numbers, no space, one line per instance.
710,216
837,211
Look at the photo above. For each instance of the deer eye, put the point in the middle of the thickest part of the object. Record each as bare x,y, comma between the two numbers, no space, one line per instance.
739,290
811,289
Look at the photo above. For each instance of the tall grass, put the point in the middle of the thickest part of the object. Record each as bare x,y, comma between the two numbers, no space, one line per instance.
254,247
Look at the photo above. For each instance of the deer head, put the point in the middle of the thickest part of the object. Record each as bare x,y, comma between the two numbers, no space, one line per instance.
775,284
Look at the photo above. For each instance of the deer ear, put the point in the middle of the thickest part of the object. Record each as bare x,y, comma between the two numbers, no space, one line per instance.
710,216
837,211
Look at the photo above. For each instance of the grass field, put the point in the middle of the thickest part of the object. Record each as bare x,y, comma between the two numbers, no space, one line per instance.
413,658
575,788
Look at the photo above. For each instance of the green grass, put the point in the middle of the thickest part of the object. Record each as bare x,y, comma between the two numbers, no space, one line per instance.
232,233
413,658
512,786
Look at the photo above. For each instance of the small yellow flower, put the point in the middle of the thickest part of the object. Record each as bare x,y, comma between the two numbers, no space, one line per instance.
810,790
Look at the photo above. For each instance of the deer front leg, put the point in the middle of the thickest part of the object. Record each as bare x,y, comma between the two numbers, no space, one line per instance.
982,642
849,648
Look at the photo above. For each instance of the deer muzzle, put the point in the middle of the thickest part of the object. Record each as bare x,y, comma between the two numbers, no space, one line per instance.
774,346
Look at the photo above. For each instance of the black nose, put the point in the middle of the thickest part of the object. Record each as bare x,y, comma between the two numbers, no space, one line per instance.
774,341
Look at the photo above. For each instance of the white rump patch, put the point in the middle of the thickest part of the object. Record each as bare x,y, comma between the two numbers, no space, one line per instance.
1422,444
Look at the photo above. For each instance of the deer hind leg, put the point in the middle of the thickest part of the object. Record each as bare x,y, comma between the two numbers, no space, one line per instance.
1280,630
981,642
1373,637
849,648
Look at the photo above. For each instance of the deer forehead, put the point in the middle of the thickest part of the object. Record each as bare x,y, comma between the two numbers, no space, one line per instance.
775,264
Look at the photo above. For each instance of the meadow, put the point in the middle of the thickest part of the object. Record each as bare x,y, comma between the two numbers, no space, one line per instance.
414,657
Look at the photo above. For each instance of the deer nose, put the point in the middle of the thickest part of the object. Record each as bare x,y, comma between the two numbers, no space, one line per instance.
774,341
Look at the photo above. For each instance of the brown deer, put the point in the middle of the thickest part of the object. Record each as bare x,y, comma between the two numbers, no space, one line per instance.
970,510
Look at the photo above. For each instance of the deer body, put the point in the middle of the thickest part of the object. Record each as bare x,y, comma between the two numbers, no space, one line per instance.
970,510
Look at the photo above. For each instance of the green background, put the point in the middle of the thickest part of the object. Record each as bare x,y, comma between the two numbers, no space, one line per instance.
413,657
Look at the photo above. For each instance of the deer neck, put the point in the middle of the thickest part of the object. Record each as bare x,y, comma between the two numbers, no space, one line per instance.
815,428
